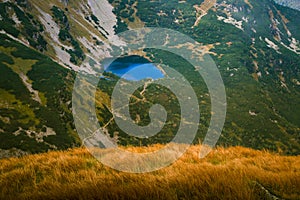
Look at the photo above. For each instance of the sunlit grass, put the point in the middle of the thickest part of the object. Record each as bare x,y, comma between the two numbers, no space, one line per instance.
231,173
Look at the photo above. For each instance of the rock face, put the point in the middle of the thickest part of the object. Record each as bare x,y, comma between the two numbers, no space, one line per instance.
294,4
65,2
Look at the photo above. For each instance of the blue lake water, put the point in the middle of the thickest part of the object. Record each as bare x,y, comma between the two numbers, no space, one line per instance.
135,72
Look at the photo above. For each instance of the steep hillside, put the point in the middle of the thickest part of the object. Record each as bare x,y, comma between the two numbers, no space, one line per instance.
233,173
35,101
255,45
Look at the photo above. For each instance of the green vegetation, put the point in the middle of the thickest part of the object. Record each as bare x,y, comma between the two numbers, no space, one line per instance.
20,113
7,24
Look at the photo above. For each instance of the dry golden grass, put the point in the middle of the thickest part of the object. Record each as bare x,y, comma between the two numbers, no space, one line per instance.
231,173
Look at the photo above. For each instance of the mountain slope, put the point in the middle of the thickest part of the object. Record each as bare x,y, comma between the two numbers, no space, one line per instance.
35,101
255,44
